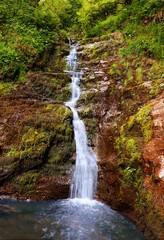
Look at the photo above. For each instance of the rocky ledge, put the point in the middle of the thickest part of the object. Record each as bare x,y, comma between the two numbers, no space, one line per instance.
37,139
124,113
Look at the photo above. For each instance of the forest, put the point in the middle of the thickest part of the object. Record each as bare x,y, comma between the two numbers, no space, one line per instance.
27,28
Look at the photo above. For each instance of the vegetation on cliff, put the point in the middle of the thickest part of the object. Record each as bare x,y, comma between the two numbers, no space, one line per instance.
36,128
126,58
141,22
27,29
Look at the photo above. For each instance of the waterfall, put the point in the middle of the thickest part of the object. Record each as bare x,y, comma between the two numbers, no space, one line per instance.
84,179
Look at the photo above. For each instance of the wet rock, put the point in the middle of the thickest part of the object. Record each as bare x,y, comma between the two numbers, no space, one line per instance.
124,110
36,138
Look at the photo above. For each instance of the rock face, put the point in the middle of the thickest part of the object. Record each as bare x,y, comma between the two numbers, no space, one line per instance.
123,113
122,105
36,137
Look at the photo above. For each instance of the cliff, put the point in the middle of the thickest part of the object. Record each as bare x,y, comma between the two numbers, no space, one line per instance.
122,102
123,98
37,139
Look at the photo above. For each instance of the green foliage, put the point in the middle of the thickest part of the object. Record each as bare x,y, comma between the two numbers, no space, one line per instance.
35,139
62,10
138,21
139,77
129,166
129,78
26,31
127,146
115,69
6,87
157,77
110,24
147,39
27,182
144,119
94,11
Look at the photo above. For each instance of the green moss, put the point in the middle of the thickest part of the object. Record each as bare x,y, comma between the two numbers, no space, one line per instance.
91,97
114,69
35,138
27,182
139,75
51,124
6,87
49,107
66,94
129,77
62,112
131,122
87,113
156,76
129,147
145,205
58,158
144,119
13,151
91,127
134,134
60,154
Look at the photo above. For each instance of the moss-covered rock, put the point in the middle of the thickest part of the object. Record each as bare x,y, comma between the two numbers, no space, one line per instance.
33,134
128,137
26,183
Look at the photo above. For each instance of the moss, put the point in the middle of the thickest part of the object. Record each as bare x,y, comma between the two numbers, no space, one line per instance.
62,112
6,87
87,113
62,146
145,205
156,76
11,152
129,162
91,127
27,182
114,69
49,107
65,94
35,138
129,148
90,97
134,134
57,158
57,88
139,75
60,154
144,119
129,77
131,122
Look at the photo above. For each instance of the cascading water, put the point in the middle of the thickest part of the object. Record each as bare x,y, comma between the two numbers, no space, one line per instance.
69,219
84,180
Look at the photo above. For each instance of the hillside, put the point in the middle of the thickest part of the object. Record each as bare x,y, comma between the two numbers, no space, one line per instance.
121,54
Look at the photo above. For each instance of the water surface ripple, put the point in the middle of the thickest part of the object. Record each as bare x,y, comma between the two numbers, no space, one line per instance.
75,219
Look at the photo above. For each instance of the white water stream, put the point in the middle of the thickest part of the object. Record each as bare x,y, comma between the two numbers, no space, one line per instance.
84,180
73,219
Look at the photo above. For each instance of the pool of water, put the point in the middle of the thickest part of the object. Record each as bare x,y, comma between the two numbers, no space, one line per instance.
64,220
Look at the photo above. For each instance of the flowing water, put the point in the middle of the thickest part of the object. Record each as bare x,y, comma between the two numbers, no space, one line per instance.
84,179
63,220
78,218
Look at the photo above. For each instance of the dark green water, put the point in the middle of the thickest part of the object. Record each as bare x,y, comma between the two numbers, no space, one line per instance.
64,220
